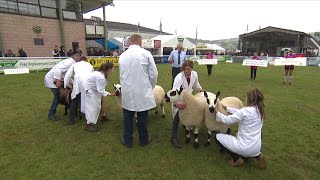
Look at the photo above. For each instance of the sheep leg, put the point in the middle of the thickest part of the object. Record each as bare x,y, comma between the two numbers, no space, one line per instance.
209,139
196,140
156,110
163,113
187,141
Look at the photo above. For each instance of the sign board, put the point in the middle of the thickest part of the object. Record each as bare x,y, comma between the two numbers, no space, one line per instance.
300,61
251,62
16,71
157,44
180,39
30,63
228,61
208,61
96,62
147,43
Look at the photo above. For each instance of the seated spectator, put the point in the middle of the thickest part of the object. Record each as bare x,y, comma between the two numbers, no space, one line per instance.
78,51
70,53
9,54
62,51
105,53
91,52
21,53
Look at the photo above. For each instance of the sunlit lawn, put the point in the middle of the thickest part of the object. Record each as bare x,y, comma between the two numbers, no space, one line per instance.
33,147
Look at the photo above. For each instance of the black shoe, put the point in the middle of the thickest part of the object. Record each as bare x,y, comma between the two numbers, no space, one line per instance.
53,118
104,119
149,141
176,143
91,128
124,144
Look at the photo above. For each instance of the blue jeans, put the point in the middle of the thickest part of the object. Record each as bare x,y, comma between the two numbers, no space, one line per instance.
55,101
142,126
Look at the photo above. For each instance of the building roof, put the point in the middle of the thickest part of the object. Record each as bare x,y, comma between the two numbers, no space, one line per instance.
90,5
273,29
125,27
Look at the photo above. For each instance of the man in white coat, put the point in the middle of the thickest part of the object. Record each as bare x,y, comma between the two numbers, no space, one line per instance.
73,80
53,80
138,77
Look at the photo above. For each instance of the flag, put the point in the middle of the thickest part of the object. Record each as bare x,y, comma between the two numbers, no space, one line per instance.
138,27
160,27
176,31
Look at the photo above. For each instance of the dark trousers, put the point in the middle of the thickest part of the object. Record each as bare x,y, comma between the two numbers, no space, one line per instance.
75,103
209,68
253,73
142,126
55,101
175,72
233,155
175,126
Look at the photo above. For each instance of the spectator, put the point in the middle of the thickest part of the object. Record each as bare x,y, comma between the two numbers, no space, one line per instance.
105,53
115,53
62,51
91,52
21,53
99,52
209,66
177,57
55,51
9,54
70,53
78,51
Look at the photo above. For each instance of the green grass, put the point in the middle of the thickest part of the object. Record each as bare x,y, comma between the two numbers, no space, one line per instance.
32,147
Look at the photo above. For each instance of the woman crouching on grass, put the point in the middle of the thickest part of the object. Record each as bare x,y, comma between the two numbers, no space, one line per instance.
247,142
94,90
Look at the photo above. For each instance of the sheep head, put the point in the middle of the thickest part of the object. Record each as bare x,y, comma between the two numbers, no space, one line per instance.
173,95
212,101
117,89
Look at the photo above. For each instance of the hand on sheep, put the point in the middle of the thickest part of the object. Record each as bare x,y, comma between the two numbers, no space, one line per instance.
181,106
58,83
112,94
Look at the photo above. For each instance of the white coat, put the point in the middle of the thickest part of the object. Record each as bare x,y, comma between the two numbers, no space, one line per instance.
247,142
77,72
58,72
180,79
138,78
93,90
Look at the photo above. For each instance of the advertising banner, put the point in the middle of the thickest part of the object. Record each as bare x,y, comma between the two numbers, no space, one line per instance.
31,64
208,61
250,62
96,62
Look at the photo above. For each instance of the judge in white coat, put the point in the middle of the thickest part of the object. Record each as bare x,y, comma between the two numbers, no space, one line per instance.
247,142
188,79
73,80
138,77
94,89
53,80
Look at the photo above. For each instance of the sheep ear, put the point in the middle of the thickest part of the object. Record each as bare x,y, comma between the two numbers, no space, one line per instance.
205,94
114,85
218,94
181,89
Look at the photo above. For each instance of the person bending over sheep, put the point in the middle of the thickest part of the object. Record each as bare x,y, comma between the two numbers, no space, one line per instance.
188,79
248,140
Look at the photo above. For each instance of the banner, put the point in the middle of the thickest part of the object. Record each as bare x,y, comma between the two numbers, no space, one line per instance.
30,63
16,71
251,62
96,62
300,61
208,61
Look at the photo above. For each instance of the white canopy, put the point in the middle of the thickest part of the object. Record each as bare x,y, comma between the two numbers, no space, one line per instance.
215,47
173,40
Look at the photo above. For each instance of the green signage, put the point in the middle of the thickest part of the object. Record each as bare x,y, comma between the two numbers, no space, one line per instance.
180,39
8,63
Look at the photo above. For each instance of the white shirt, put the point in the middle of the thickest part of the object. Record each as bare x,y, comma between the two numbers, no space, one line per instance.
77,72
58,72
97,82
174,57
248,139
55,53
138,77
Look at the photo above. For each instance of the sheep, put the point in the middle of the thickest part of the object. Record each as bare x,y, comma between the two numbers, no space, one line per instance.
158,93
213,102
193,115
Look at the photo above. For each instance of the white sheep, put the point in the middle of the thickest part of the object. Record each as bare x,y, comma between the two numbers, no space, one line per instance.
193,115
213,102
158,93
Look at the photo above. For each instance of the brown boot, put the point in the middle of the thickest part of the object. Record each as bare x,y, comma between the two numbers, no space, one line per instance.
262,163
91,128
239,162
104,119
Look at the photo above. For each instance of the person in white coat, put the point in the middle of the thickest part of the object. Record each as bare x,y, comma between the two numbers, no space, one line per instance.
189,81
53,80
94,89
248,140
138,77
73,80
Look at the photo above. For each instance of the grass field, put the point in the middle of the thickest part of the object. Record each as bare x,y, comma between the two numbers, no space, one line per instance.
32,147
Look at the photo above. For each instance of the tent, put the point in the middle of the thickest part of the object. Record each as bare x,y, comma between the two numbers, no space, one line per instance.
171,41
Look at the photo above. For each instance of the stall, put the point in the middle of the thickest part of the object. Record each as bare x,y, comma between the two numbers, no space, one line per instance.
169,43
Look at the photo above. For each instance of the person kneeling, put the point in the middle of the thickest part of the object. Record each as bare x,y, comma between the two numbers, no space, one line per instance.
248,140
94,90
